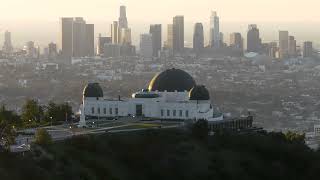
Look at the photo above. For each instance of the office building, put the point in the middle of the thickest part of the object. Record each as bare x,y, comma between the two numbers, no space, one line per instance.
7,45
283,44
115,32
112,50
77,38
52,50
66,37
155,31
307,49
273,50
253,39
198,38
146,49
31,50
169,43
89,51
125,36
292,46
101,42
215,38
178,34
236,40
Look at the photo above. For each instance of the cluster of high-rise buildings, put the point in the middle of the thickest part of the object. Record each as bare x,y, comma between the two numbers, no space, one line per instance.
119,42
286,47
77,39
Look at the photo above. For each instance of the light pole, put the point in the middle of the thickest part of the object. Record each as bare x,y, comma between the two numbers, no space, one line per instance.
51,120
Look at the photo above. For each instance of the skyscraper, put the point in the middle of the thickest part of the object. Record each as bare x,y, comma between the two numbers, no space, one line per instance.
292,46
169,44
52,50
77,38
155,31
253,39
178,34
7,45
66,37
307,49
198,37
283,44
146,49
89,40
236,40
214,30
115,32
123,22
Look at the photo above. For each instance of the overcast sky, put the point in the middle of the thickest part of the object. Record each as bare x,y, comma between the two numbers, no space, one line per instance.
163,10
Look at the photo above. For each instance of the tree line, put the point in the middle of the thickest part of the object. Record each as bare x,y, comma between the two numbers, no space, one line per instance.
33,115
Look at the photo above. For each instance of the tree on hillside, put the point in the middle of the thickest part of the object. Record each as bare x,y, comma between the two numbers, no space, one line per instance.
32,112
42,137
9,121
295,137
58,112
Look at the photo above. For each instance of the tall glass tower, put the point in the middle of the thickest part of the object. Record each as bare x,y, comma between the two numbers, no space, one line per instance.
214,30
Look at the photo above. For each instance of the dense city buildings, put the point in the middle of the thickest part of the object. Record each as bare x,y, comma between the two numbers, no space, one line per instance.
178,34
7,45
283,44
101,42
156,32
146,45
198,38
120,37
215,38
273,50
111,50
307,49
236,40
253,39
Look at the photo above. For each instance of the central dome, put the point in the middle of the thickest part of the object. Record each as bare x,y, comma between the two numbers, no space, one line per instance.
93,90
172,80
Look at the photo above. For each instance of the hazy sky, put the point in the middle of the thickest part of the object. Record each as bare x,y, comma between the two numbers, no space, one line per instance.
38,20
163,10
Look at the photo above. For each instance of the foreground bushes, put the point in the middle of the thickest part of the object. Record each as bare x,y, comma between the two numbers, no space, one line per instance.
166,154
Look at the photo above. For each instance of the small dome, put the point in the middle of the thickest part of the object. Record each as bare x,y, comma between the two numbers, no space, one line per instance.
93,90
172,80
199,93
